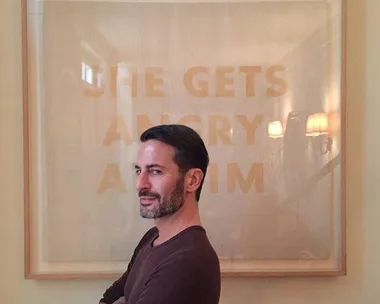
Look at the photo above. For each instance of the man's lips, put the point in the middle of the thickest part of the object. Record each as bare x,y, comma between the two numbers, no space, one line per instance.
147,199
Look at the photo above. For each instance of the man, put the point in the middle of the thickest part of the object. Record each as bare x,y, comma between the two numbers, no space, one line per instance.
174,262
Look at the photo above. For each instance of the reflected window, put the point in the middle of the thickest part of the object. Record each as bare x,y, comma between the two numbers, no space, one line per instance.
87,73
90,76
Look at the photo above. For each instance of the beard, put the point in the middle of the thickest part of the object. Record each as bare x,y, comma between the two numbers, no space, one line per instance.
167,204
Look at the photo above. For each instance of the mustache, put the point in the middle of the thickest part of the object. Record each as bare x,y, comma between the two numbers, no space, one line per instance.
149,194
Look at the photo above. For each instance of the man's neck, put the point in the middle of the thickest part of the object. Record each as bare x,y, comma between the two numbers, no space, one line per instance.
184,218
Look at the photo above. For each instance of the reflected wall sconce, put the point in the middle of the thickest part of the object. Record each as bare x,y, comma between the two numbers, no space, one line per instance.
317,132
275,129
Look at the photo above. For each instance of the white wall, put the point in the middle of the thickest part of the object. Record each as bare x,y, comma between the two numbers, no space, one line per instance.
363,95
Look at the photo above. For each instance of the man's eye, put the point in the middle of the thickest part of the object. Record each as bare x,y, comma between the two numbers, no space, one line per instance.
156,172
138,172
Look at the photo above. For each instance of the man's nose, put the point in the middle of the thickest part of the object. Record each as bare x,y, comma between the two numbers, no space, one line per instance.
142,181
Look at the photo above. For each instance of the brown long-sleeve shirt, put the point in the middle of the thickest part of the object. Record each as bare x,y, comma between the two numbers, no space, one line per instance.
183,270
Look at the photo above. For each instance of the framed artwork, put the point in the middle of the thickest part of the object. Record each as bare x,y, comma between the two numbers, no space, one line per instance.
262,81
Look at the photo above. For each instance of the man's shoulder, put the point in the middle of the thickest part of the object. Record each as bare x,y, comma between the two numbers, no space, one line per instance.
152,232
195,240
190,261
147,237
193,249
193,268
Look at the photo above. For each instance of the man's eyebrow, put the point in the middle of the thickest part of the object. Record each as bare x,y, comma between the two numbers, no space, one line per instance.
150,166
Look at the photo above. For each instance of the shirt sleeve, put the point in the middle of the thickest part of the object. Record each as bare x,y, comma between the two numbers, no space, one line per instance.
116,290
173,282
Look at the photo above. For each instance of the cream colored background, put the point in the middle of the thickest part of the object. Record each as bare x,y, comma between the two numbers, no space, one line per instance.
361,284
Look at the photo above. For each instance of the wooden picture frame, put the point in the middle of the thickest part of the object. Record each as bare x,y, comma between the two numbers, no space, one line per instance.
261,80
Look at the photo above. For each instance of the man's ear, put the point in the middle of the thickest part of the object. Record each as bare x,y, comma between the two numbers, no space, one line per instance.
193,179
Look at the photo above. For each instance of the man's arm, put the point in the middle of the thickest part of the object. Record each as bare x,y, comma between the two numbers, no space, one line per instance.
120,301
116,290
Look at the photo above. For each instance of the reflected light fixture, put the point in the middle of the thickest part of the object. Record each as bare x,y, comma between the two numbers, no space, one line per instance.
317,124
275,129
317,131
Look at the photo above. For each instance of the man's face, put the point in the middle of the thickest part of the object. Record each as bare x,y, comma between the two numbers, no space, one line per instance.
159,183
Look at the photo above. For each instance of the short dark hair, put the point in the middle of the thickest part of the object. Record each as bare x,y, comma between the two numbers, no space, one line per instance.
189,148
